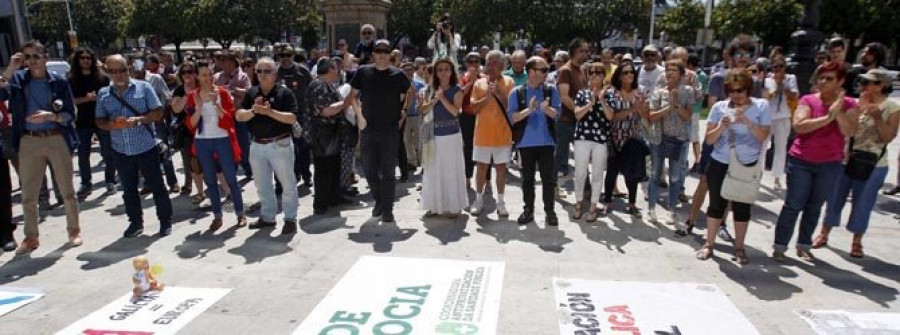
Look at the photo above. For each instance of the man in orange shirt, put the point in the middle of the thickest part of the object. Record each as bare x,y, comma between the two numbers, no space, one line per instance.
493,135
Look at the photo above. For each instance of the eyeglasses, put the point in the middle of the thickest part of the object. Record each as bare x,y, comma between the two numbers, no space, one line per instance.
541,69
86,58
596,72
116,71
864,82
264,71
367,33
742,55
187,72
32,56
739,90
627,72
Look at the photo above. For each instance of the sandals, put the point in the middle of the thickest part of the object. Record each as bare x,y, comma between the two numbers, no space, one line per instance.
856,250
594,214
821,241
740,256
198,198
577,214
805,255
705,252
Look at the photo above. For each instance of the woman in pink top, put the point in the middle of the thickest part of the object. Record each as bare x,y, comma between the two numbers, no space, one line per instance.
821,122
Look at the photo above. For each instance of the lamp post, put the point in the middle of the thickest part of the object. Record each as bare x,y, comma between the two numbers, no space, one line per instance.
73,37
805,40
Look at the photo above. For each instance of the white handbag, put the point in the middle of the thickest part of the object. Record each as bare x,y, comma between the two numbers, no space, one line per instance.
741,182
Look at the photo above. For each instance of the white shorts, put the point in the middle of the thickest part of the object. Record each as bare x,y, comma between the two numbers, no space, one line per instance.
695,127
500,155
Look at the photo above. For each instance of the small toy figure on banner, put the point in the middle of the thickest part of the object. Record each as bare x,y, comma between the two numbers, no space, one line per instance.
144,277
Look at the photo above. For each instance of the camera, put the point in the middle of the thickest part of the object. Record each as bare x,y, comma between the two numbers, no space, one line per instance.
445,24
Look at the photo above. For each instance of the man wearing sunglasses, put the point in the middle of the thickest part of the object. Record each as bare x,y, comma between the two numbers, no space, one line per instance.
297,78
366,46
382,89
43,132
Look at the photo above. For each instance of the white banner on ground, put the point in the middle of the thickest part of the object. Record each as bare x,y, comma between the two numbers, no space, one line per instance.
156,313
12,298
393,295
839,322
588,307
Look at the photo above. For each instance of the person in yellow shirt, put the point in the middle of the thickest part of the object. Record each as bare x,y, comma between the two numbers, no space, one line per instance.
493,133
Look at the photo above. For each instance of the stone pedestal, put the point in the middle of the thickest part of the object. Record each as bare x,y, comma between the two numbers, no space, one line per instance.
805,41
343,18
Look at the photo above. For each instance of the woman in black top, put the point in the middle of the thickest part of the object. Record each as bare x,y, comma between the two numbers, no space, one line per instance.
591,136
327,123
187,77
86,78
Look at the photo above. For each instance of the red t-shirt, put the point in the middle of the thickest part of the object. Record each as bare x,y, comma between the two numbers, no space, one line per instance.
823,145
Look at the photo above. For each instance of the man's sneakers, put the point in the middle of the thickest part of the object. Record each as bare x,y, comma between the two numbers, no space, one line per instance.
526,217
725,235
133,230
259,224
551,219
501,210
387,217
651,215
477,206
84,191
290,227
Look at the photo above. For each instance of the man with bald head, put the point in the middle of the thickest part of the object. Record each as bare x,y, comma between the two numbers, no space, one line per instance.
127,108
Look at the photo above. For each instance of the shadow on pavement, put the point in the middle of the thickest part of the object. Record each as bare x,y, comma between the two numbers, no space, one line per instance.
762,277
22,266
321,224
201,242
262,245
445,229
850,282
120,250
382,235
549,238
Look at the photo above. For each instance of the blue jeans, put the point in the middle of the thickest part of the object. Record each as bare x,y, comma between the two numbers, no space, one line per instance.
865,192
676,177
565,134
84,155
145,164
243,138
275,158
808,185
221,147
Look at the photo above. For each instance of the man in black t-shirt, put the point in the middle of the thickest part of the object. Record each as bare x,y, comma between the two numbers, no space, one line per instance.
270,111
382,89
297,78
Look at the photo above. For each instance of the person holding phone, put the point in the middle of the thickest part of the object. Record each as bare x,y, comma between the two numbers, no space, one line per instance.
739,123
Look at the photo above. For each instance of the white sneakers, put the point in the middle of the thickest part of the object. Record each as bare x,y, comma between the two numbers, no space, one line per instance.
476,207
501,209
651,215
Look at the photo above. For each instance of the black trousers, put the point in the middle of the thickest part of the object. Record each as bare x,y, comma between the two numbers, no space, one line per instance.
6,225
543,158
467,126
379,158
401,154
327,181
612,173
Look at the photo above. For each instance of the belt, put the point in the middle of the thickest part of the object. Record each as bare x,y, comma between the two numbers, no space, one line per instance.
271,139
42,133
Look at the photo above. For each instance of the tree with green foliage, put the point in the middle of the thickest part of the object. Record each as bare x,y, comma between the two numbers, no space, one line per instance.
175,21
412,19
682,22
868,20
98,23
223,21
773,21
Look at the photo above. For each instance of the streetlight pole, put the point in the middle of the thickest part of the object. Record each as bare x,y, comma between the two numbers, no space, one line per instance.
73,37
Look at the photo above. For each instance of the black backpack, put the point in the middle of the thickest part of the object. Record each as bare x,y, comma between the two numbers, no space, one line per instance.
518,129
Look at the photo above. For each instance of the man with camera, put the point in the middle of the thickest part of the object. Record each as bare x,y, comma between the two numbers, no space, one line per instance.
43,131
127,109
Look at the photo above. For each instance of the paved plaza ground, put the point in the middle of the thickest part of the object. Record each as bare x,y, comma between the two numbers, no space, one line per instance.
277,280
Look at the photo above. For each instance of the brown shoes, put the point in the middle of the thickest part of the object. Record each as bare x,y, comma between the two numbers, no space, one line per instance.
28,245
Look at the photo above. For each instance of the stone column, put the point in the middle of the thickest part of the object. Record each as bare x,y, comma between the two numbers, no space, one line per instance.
805,41
343,18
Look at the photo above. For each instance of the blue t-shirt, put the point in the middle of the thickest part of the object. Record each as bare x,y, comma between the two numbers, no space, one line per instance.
536,132
444,122
414,106
38,96
747,146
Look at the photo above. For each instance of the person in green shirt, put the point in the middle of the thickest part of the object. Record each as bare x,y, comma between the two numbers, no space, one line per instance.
517,72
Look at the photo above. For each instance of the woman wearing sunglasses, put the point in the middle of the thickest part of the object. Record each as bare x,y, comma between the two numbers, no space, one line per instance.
187,76
781,87
628,156
878,122
738,123
591,138
822,121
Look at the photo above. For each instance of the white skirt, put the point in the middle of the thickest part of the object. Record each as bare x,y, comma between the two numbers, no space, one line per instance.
444,177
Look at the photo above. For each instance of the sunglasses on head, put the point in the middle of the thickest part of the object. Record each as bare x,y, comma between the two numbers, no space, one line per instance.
264,71
864,82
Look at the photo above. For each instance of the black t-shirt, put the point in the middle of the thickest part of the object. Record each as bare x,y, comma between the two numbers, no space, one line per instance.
380,92
281,99
81,86
297,79
364,52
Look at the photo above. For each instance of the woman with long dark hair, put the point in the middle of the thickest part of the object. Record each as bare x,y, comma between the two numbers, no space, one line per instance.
188,82
444,173
86,78
211,112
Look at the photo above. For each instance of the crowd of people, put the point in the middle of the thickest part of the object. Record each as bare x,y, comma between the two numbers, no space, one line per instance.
372,112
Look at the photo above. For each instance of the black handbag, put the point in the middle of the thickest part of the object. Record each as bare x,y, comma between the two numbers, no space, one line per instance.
326,137
860,164
181,136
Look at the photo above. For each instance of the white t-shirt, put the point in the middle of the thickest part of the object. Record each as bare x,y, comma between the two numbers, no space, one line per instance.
778,105
650,78
210,118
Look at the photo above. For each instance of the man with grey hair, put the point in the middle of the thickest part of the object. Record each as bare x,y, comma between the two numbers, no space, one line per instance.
270,111
366,46
421,74
126,109
559,59
517,71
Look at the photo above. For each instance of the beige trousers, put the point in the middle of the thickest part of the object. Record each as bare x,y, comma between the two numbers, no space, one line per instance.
34,155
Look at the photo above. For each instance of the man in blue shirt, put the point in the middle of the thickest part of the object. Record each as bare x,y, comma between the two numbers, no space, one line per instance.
536,146
126,109
43,132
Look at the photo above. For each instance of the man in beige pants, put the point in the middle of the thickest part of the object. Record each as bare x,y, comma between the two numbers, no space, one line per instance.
43,111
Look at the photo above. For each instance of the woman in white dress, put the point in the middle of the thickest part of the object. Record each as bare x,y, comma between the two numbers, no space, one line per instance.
444,177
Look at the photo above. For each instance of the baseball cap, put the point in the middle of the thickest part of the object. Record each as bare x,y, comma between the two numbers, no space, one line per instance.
383,44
